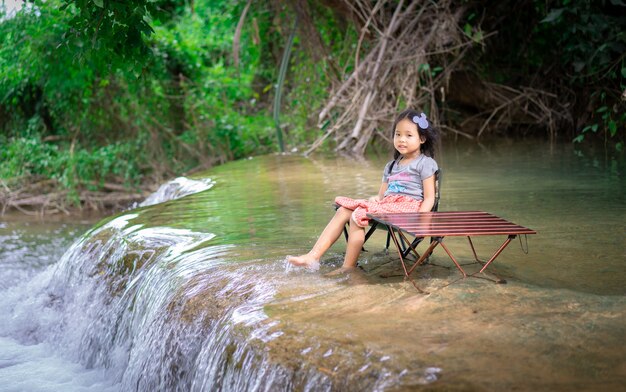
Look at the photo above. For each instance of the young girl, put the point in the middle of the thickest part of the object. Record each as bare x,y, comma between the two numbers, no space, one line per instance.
408,186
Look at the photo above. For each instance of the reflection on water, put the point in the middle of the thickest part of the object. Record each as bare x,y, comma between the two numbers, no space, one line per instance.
209,303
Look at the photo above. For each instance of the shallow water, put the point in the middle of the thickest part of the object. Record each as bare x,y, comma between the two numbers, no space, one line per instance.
30,244
187,293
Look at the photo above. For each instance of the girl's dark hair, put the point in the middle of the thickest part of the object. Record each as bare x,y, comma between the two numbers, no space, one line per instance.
431,134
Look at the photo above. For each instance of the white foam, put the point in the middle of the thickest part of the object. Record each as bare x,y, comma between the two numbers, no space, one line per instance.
55,324
315,266
177,188
37,368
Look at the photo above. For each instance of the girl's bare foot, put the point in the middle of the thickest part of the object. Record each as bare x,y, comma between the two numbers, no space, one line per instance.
307,260
340,271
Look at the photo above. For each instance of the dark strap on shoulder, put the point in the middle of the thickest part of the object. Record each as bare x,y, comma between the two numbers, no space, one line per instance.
392,164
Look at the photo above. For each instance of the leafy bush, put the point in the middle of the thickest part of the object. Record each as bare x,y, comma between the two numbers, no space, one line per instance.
27,158
75,110
590,38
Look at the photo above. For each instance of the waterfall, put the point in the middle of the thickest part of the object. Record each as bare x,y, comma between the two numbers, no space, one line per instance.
149,308
129,300
131,304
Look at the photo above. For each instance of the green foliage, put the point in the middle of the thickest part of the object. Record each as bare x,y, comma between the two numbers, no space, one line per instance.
72,110
110,32
30,62
472,29
284,64
610,122
24,156
138,90
29,157
590,35
590,42
310,75
572,49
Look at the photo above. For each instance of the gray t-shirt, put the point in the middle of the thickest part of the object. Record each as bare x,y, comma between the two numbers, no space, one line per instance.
407,179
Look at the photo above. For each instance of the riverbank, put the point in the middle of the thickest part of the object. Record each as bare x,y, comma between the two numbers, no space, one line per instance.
49,197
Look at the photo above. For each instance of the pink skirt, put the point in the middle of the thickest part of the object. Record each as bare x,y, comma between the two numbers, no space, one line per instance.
390,204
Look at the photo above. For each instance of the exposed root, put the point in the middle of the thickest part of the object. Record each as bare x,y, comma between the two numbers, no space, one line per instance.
412,54
46,197
499,107
407,40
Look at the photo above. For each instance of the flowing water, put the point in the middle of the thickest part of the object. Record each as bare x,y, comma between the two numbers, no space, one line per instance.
193,294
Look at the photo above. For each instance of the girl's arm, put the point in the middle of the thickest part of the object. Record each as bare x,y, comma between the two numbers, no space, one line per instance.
429,194
381,192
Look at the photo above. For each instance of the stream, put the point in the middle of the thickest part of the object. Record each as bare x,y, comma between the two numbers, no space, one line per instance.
189,291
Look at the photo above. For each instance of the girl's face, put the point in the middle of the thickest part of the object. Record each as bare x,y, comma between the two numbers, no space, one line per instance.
407,139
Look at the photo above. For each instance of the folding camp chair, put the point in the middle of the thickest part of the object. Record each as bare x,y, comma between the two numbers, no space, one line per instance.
404,248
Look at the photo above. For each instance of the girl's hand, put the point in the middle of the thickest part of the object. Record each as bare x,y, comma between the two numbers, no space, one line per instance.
381,193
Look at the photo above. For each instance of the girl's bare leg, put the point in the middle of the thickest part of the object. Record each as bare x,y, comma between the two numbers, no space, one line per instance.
327,238
356,238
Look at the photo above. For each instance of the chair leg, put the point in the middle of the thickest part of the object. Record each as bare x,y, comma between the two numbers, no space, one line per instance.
407,273
411,247
371,231
473,249
388,240
402,242
414,245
